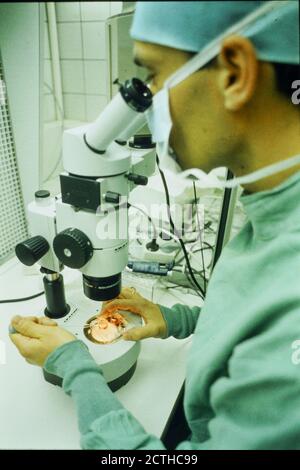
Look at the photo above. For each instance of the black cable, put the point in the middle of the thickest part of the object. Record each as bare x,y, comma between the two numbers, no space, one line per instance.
195,271
175,231
191,286
212,230
9,301
196,251
223,220
200,235
208,247
191,283
147,215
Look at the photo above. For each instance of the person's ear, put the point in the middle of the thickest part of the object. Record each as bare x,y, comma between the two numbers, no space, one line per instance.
238,75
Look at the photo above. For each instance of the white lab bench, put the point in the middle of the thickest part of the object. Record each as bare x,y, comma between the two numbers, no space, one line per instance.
37,415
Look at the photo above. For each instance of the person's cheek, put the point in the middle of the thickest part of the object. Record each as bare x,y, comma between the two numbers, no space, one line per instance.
176,139
174,129
172,143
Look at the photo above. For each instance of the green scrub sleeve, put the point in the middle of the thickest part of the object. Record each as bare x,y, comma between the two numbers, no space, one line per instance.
260,372
181,320
103,421
83,380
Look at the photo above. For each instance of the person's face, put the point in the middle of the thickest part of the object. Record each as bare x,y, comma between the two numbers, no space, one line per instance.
211,110
198,119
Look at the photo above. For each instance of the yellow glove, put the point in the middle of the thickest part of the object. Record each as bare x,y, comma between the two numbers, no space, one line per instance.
155,325
36,338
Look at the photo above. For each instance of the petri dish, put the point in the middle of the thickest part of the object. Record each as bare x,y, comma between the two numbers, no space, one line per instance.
109,328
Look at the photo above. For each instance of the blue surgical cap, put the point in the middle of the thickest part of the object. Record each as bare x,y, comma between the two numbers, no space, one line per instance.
190,26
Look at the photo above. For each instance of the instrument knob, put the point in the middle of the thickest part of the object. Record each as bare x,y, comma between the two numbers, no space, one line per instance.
73,248
31,250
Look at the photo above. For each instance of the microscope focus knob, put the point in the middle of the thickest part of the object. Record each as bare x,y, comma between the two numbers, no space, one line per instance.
31,250
137,179
73,248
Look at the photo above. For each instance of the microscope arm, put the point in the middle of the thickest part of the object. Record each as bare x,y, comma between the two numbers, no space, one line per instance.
100,170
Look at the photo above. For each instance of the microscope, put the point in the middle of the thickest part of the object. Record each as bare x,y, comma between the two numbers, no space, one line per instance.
86,226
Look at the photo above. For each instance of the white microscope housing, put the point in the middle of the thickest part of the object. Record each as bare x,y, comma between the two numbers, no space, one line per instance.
86,226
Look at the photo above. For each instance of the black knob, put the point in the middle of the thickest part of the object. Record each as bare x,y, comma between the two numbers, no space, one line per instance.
42,194
73,248
112,197
152,246
137,179
136,94
142,141
31,250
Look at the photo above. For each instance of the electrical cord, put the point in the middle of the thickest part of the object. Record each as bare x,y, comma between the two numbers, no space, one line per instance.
148,216
202,273
200,235
62,129
210,247
9,301
202,293
191,249
171,235
191,282
178,286
183,270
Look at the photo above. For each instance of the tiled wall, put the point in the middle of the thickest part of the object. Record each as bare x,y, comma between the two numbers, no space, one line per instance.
82,48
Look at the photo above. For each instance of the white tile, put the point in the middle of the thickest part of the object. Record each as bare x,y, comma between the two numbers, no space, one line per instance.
67,11
94,105
95,77
49,108
48,75
52,143
47,54
69,38
94,11
74,107
94,40
72,76
116,8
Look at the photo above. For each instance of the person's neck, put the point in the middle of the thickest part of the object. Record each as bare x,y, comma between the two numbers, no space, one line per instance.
279,140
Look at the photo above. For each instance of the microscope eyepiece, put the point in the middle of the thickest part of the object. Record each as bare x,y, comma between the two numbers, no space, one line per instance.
124,111
102,288
136,94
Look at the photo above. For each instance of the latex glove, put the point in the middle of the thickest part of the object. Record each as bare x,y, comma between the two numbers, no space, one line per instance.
155,325
36,338
41,320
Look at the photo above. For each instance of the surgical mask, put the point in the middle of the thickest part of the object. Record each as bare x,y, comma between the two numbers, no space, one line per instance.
159,117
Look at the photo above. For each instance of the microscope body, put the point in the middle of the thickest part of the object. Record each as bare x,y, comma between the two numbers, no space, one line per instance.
85,227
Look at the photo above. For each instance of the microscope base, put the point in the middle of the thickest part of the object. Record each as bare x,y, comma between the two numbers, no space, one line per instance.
117,360
114,385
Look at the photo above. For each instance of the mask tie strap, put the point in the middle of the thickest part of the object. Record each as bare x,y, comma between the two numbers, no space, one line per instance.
263,172
214,47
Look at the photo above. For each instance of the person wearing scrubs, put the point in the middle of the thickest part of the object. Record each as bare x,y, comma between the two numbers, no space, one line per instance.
223,75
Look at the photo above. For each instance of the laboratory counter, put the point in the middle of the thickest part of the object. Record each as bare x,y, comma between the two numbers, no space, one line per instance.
35,414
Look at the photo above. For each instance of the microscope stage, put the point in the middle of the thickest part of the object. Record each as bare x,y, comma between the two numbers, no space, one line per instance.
116,359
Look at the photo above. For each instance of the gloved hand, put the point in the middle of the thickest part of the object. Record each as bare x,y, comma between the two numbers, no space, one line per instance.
155,325
36,338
